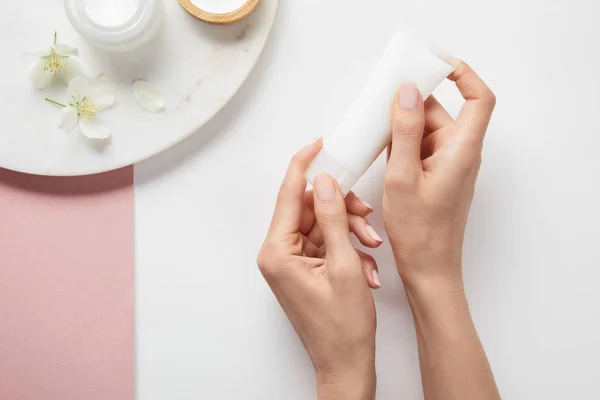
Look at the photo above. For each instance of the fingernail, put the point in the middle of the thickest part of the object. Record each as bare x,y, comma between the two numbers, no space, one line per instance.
324,187
364,203
376,280
453,61
408,96
373,234
313,141
446,57
361,201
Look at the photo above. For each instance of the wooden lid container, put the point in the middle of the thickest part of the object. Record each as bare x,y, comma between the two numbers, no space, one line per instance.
226,18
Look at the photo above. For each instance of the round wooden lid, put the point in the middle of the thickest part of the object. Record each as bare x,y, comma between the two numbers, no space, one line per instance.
227,18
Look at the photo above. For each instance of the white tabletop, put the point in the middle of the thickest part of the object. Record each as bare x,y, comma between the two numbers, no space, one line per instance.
208,326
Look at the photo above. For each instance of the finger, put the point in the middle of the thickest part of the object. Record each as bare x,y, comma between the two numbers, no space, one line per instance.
434,141
315,235
370,269
359,226
357,206
307,220
476,113
408,123
436,116
364,232
309,249
289,206
332,216
354,205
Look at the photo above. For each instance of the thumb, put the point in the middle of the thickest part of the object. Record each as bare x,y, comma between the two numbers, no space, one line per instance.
332,218
408,123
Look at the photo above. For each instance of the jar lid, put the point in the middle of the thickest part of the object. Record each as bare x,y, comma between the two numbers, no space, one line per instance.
219,11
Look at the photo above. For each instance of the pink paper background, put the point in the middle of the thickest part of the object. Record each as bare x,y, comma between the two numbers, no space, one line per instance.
66,287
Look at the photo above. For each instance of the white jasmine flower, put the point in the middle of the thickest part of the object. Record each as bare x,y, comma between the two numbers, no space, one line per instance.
55,62
149,96
86,100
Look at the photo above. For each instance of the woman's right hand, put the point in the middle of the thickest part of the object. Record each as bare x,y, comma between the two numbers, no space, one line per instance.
430,180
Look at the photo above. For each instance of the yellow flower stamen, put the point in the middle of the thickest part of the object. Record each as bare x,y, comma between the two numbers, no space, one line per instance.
54,63
85,108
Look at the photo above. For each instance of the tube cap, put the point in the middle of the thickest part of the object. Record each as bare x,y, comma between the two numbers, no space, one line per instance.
326,163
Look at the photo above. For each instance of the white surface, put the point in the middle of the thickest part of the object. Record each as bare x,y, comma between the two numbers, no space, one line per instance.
365,130
219,6
207,325
199,67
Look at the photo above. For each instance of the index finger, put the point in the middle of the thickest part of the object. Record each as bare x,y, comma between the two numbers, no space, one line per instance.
476,113
354,204
290,200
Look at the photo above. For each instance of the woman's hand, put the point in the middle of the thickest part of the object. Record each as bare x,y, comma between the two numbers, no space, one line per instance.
321,281
429,187
430,179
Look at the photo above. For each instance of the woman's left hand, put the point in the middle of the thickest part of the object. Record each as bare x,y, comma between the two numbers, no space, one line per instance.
321,281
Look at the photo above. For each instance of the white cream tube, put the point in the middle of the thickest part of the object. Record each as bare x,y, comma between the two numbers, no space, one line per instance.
365,130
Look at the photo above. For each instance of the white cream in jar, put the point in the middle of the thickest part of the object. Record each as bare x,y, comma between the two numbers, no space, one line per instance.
115,25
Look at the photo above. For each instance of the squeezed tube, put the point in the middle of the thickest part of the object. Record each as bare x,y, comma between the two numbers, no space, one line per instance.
365,130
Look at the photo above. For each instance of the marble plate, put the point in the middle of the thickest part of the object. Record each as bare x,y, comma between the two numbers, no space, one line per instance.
198,66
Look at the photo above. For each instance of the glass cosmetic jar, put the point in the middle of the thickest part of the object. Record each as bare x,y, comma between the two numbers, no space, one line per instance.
115,25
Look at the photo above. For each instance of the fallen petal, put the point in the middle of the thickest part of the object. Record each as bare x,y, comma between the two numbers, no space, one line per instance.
149,96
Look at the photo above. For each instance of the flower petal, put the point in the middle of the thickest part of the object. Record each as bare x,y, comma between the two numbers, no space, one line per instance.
72,69
94,129
37,76
68,119
102,93
77,87
149,96
65,50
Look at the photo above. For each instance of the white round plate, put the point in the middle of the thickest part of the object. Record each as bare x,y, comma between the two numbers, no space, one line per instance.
198,66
